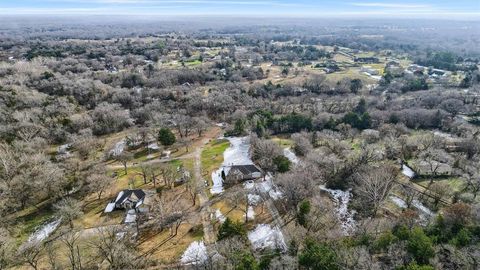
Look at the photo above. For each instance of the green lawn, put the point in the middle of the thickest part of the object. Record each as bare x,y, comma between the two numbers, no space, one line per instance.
187,163
26,225
193,63
212,154
456,184
284,143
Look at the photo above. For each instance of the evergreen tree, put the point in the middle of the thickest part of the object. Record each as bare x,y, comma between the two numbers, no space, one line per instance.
318,256
230,228
420,246
166,137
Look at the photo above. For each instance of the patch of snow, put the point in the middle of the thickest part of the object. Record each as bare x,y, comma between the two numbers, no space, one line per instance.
267,186
254,199
131,216
196,253
118,148
398,202
217,182
219,216
153,146
249,184
443,135
250,213
287,152
407,171
341,199
235,154
63,149
264,236
425,211
44,231
238,152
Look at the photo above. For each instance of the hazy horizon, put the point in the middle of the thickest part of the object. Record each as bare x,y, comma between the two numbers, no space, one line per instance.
426,9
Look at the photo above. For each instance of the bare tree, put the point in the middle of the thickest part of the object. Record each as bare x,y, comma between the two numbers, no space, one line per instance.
68,209
117,249
52,256
124,158
239,199
193,189
30,253
169,174
201,125
98,183
70,240
409,194
432,158
439,191
145,171
169,211
372,186
6,248
296,186
263,152
302,143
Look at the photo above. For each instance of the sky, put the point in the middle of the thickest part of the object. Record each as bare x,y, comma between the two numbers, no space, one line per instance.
441,9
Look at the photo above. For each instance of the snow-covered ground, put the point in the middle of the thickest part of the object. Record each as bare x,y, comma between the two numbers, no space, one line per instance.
118,148
264,236
287,152
443,135
254,199
44,231
131,216
407,171
153,146
196,253
219,216
63,149
398,202
341,199
425,213
250,213
267,186
249,184
235,154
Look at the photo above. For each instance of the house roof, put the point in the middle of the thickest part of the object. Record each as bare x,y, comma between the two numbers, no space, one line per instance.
128,193
110,207
245,169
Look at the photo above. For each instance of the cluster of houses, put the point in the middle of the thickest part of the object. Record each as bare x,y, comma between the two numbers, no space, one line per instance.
433,73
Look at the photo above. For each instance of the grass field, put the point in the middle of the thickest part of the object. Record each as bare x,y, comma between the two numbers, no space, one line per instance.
193,63
166,249
26,225
455,184
283,142
212,155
